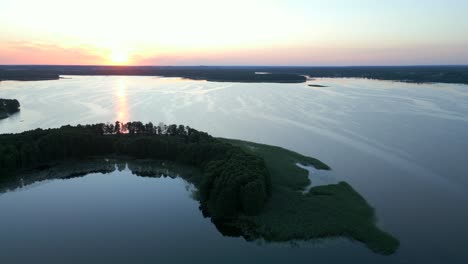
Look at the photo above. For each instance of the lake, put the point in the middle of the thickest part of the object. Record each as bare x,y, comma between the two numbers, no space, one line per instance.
402,146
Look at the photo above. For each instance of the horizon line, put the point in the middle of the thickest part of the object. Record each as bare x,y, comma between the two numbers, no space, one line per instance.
251,66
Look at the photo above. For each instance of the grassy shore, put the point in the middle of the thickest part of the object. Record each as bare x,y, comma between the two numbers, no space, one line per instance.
334,210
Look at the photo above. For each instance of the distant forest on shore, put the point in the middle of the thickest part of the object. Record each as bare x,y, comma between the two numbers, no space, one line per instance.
415,74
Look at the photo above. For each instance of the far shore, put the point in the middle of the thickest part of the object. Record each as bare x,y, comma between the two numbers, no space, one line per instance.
244,74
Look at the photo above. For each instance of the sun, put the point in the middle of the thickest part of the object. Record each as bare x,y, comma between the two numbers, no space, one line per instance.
119,57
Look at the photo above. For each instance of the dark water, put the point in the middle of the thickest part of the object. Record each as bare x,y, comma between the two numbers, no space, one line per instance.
404,147
120,217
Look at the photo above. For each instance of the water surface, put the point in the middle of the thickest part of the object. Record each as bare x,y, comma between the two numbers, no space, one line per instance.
402,146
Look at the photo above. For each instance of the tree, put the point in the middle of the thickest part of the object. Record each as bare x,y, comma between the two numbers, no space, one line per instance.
109,129
172,130
149,128
253,197
181,130
117,128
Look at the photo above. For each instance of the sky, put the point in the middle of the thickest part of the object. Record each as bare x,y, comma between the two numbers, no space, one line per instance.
240,32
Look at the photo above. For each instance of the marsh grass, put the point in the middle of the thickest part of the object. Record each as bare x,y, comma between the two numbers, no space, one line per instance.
324,211
282,164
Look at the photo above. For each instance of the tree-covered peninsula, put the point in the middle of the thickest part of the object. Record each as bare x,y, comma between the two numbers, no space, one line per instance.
8,107
234,181
247,189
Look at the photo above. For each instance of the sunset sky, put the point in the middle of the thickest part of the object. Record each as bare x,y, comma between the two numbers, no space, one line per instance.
241,32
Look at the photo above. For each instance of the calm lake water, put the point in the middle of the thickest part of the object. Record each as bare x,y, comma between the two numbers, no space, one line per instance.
404,147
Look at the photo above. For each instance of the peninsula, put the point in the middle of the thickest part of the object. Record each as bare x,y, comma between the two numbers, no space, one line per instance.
247,189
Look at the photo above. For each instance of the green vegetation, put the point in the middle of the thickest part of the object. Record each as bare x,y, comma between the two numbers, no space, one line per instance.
282,163
233,181
412,74
416,74
8,107
324,211
214,74
26,73
248,189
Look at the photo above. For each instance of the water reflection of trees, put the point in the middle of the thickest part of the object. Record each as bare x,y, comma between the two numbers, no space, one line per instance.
75,169
139,168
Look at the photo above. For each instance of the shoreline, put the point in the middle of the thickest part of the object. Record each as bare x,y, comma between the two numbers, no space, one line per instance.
409,74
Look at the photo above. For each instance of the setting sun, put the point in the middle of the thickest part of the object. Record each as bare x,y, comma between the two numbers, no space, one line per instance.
119,57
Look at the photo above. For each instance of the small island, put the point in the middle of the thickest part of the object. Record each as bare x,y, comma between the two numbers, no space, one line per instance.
251,190
8,107
317,85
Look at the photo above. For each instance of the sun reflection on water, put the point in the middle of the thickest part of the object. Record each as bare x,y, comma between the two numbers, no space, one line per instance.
122,113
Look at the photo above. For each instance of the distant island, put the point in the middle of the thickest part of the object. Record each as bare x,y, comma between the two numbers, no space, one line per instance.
245,74
317,85
8,107
247,189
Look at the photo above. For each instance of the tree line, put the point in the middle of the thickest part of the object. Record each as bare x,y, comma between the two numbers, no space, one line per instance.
234,182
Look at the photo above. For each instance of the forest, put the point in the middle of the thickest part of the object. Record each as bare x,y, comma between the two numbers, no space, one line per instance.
214,74
246,74
234,181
